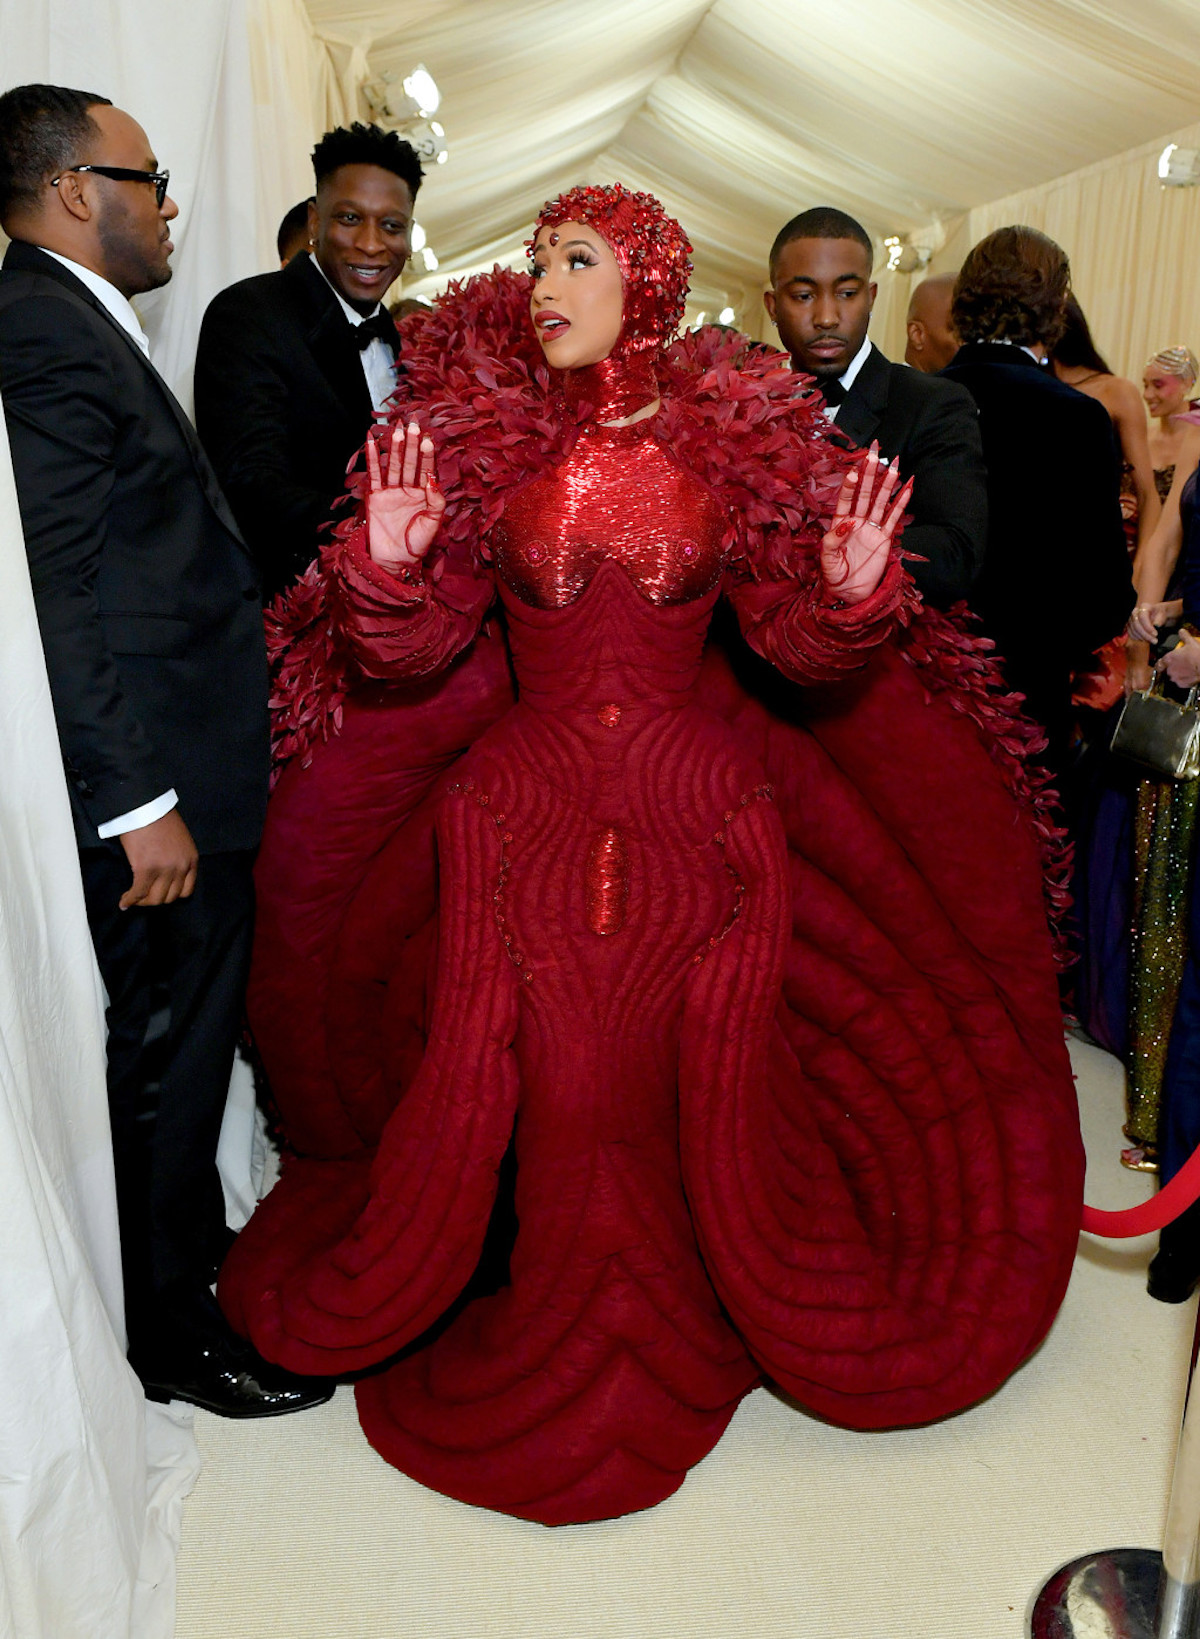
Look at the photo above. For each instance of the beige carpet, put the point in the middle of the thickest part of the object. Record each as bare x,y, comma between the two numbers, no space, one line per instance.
296,1530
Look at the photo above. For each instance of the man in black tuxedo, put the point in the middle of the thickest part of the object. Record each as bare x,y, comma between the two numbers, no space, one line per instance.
820,298
292,366
1056,580
148,604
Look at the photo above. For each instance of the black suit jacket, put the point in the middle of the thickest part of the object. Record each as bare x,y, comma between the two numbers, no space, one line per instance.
147,599
281,404
932,428
1056,580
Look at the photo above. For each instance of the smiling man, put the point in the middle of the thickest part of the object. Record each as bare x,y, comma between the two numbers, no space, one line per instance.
292,365
820,298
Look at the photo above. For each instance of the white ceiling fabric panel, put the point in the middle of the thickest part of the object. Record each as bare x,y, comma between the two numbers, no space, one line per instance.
739,113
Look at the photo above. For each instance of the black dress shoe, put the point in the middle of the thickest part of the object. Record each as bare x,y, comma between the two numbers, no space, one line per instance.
230,1378
1174,1275
1175,1268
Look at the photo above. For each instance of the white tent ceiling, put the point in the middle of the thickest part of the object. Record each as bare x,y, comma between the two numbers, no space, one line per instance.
738,113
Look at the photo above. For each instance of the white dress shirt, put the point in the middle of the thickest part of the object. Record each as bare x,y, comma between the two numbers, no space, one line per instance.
109,296
848,375
1007,341
378,360
116,304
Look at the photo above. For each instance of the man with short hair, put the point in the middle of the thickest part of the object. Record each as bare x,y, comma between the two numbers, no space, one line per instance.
148,604
932,342
292,367
1056,584
820,298
292,237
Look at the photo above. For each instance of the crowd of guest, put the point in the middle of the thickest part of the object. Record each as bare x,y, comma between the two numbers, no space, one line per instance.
1040,499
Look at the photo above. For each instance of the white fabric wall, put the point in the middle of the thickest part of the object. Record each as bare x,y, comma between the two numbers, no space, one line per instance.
92,1485
1134,247
231,93
93,1479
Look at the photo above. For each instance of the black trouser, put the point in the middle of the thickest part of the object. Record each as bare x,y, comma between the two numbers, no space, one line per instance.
176,980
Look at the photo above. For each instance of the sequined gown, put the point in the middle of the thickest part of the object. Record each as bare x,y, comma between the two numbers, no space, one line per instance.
1124,883
624,899
1164,833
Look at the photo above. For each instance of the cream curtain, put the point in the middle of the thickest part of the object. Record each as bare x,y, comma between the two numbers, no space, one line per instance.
739,113
93,1479
1134,247
300,89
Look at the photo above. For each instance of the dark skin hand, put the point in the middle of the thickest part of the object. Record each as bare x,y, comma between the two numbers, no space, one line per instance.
163,859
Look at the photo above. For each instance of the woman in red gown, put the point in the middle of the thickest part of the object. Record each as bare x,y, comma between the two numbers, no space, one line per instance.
764,1000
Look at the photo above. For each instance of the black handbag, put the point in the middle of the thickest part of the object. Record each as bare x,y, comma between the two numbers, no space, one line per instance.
1161,735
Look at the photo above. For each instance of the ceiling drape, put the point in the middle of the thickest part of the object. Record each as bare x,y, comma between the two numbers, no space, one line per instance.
1134,247
911,114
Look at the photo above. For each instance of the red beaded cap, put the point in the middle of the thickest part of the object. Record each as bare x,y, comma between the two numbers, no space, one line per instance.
652,252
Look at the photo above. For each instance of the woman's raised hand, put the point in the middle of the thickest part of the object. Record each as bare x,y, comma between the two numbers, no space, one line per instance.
854,553
404,505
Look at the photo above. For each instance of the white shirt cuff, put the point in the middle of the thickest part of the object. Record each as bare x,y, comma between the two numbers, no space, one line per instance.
136,818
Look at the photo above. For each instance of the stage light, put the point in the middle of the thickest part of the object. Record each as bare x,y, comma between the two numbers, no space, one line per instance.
422,88
405,106
1179,167
428,138
902,258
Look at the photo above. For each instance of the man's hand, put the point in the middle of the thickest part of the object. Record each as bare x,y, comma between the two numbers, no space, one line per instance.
163,859
1182,665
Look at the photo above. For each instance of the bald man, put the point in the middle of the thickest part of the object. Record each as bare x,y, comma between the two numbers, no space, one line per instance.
931,339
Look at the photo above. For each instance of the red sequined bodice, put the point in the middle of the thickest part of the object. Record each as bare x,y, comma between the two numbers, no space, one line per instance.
619,496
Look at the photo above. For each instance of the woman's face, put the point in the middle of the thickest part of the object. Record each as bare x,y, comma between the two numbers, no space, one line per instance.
1164,394
577,296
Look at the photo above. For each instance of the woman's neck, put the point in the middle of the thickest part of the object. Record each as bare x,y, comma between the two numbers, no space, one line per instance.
617,391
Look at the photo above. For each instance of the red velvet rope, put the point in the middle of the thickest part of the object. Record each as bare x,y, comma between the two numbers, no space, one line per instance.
1156,1213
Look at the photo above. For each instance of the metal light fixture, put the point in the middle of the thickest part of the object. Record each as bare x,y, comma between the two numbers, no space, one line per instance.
1179,167
902,258
429,139
405,105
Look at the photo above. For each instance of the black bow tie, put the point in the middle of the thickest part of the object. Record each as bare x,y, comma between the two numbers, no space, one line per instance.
833,392
379,327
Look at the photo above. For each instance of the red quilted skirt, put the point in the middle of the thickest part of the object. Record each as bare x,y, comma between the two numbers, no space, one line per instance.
765,1009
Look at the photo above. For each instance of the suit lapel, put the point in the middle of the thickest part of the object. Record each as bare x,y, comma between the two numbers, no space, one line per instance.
28,259
331,338
865,403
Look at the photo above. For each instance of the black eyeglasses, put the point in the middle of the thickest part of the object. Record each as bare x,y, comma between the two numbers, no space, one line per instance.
120,173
